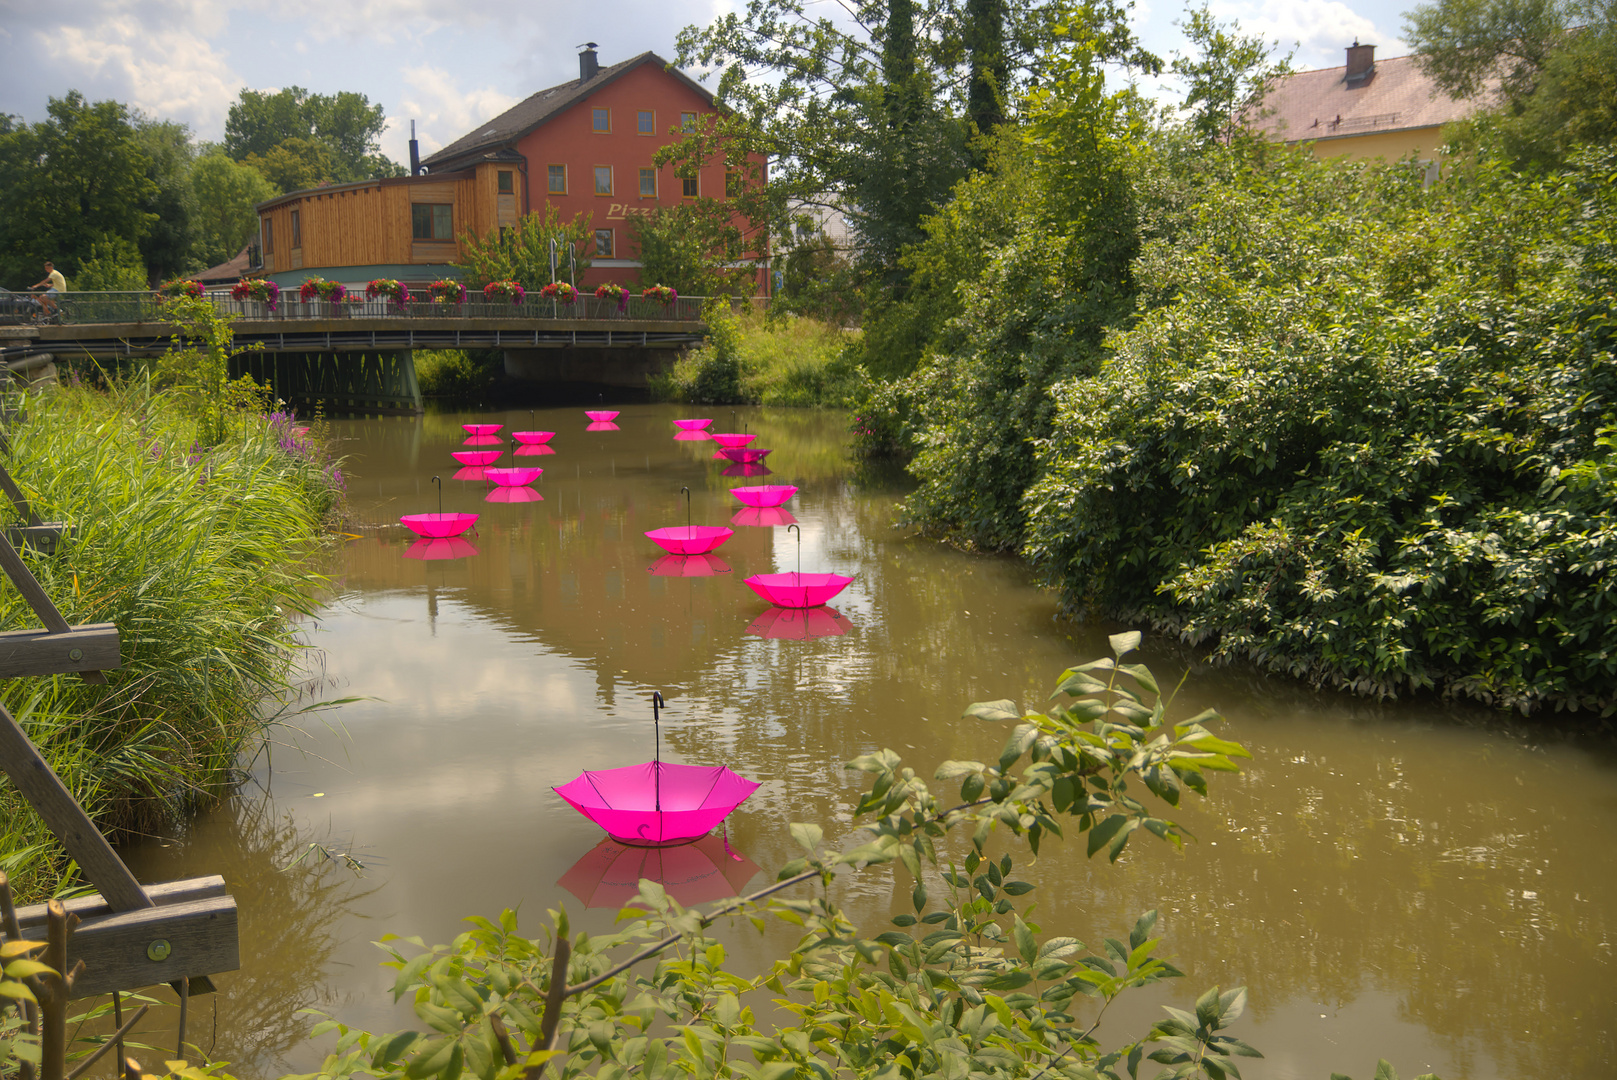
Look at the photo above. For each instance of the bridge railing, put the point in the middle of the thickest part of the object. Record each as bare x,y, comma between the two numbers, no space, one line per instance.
82,308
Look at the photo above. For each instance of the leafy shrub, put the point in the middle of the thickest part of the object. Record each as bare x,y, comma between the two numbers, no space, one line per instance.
456,374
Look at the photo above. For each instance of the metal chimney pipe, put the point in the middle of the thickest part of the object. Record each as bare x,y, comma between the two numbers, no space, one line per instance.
415,152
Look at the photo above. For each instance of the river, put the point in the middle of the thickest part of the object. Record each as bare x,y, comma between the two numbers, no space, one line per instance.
1414,881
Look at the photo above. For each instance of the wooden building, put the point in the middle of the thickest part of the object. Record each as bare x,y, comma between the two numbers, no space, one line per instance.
584,146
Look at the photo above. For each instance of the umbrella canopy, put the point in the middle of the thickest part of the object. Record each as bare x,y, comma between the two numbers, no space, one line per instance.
767,516
691,425
763,495
481,429
746,470
795,590
730,440
601,416
476,457
657,803
689,566
745,455
690,539
437,526
608,876
443,548
532,438
513,477
799,624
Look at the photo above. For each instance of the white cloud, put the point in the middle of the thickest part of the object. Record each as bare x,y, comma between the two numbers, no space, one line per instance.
1320,31
443,112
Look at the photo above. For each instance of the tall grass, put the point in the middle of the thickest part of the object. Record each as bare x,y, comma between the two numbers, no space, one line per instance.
202,558
793,361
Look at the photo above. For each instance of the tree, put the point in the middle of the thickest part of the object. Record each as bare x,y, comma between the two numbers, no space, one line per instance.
71,181
345,125
697,248
294,164
226,193
114,265
1226,81
168,246
1460,44
522,254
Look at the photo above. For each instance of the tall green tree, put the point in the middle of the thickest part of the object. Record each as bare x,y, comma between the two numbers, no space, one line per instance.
72,180
226,193
345,125
522,254
168,247
1227,76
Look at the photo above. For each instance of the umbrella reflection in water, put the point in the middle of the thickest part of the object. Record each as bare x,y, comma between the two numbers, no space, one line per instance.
601,425
799,624
689,566
513,495
767,516
451,547
747,470
608,876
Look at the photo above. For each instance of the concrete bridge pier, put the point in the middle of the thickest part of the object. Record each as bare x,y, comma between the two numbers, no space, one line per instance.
631,368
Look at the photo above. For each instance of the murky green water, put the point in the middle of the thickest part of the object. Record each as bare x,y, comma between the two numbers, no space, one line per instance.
1432,886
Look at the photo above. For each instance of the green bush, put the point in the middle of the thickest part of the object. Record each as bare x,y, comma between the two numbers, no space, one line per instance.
791,361
456,374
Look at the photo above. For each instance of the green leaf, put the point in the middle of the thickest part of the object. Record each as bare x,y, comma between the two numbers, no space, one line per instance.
1207,1010
807,836
1125,642
951,769
995,712
1102,834
1385,1071
1142,675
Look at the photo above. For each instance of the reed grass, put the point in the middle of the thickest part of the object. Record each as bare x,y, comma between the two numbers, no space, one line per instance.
794,361
203,558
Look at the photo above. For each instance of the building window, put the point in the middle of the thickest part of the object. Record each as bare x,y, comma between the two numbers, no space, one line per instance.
431,221
602,120
647,122
687,121
734,182
603,179
558,180
269,236
507,182
297,230
648,183
688,187
603,243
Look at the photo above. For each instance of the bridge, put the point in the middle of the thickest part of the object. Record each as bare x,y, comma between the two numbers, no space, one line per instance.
358,355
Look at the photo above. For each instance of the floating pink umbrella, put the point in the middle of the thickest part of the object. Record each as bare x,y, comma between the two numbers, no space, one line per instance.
511,478
531,450
766,516
476,457
798,590
763,496
691,425
602,425
691,539
439,525
743,455
513,495
799,624
441,548
532,438
481,429
300,430
656,804
689,566
601,416
730,441
746,470
692,436
608,876
470,472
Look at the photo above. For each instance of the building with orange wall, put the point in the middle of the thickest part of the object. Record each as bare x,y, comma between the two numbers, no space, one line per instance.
584,146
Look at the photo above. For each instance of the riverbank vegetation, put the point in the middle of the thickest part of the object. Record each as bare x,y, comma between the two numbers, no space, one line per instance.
758,359
198,549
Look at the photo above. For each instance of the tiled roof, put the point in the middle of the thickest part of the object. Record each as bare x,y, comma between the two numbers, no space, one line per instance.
1396,97
534,110
230,271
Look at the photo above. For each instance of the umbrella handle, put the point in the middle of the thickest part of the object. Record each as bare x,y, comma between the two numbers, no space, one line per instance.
789,528
687,492
439,481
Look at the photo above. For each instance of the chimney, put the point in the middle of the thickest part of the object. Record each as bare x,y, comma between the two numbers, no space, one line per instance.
1361,63
415,152
588,65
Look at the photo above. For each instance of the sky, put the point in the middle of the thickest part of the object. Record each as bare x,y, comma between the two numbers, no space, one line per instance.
453,65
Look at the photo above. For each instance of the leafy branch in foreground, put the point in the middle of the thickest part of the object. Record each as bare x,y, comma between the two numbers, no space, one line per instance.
967,986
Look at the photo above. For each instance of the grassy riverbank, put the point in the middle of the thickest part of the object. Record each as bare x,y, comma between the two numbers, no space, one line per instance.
200,557
754,360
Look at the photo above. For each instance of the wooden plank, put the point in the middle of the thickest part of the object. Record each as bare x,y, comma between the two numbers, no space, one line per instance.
161,894
23,579
9,486
91,647
43,538
35,782
202,937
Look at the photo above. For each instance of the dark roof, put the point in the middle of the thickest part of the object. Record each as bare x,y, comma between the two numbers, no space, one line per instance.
230,272
1397,96
523,117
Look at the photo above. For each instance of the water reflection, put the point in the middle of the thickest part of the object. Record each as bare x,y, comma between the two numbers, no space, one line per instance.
608,875
453,547
748,469
764,516
513,495
689,566
601,425
799,624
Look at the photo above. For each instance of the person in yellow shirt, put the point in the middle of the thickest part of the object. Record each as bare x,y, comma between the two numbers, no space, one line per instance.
54,283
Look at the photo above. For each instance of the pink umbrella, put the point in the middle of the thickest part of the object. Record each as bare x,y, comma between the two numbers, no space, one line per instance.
476,457
689,566
481,429
601,416
655,804
474,472
742,455
532,438
691,425
730,441
691,539
747,470
441,548
766,516
764,495
798,590
439,525
800,624
481,440
513,477
530,450
513,495
602,425
608,876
